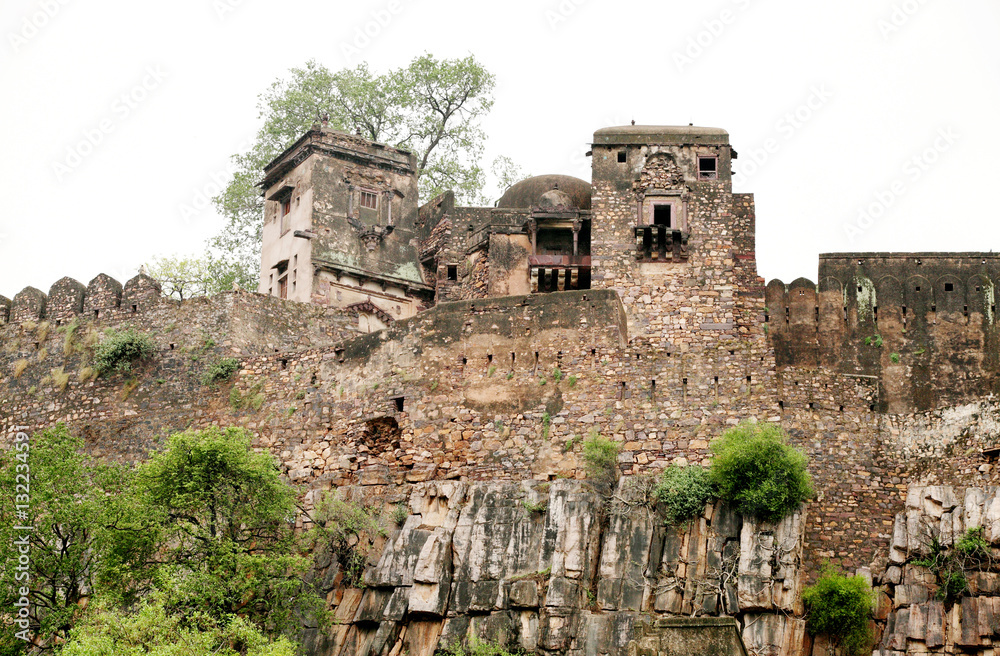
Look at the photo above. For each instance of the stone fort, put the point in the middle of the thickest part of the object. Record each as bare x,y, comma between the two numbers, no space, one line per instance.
454,359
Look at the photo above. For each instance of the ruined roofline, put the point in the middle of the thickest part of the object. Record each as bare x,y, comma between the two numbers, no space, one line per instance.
669,135
908,254
338,146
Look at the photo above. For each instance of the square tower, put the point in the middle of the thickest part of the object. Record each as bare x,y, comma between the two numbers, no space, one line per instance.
668,232
339,227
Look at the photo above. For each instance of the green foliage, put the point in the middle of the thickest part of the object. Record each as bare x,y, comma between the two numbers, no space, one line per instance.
120,349
534,506
874,340
220,371
572,381
73,505
348,531
477,647
571,442
683,492
492,370
400,513
600,457
951,567
153,631
894,357
557,374
188,277
546,425
431,107
841,606
758,472
223,524
252,400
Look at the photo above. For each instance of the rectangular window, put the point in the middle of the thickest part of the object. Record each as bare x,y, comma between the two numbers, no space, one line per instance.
369,200
708,167
452,272
286,210
622,156
283,287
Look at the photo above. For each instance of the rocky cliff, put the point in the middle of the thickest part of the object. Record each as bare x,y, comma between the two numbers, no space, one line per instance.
554,568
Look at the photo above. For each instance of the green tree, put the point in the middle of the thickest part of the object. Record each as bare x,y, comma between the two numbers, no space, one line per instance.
841,607
225,520
432,107
68,547
756,470
153,631
183,277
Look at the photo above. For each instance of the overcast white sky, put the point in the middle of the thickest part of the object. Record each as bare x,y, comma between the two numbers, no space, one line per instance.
874,84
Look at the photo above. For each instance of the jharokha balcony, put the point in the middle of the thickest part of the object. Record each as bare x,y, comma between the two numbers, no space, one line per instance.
660,243
557,273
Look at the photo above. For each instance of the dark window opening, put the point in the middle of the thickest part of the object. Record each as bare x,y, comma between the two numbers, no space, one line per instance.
284,363
661,215
934,308
622,156
97,313
171,347
949,287
859,288
917,288
708,168
749,378
58,322
452,272
465,361
135,308
810,406
652,390
841,408
513,358
732,353
399,401
781,404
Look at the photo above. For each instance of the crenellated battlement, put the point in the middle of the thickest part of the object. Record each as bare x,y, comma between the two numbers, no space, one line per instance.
69,298
925,323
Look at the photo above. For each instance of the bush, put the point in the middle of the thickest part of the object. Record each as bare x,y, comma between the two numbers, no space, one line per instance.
841,607
477,647
120,349
221,370
349,531
759,473
683,492
600,456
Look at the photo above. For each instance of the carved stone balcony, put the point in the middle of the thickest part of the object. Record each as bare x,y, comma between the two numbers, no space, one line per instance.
660,243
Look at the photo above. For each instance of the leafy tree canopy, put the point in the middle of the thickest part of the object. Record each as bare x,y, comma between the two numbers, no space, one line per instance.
431,107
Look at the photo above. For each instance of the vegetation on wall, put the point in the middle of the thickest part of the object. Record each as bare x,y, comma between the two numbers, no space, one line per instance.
682,492
758,472
121,349
951,566
841,607
600,457
221,370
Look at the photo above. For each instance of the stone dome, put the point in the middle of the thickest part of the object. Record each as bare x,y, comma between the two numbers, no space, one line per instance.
547,191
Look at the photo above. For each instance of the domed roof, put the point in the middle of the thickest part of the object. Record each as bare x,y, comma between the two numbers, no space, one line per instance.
547,191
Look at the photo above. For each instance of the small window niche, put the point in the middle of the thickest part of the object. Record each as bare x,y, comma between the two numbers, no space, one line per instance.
622,156
708,167
663,215
452,272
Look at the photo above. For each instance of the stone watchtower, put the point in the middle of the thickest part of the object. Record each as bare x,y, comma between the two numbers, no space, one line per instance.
669,234
339,227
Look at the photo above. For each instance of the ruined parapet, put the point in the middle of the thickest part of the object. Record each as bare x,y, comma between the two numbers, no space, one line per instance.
104,293
910,320
4,309
65,300
139,292
28,305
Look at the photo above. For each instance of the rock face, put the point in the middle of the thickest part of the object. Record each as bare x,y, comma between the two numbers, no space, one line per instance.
550,568
936,527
